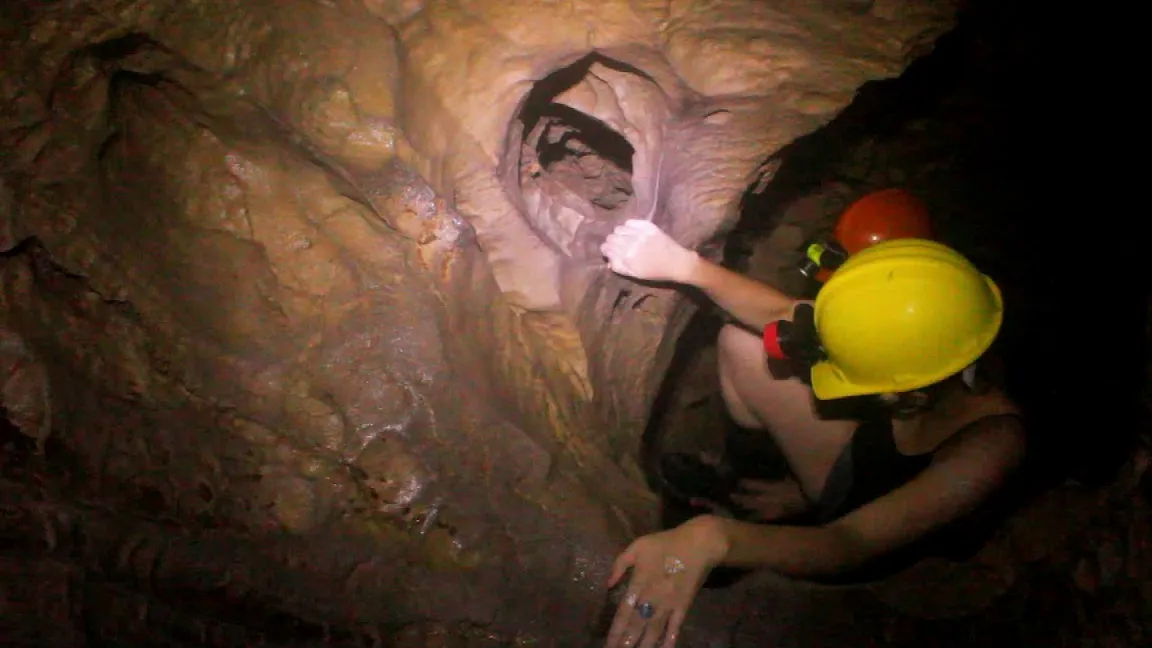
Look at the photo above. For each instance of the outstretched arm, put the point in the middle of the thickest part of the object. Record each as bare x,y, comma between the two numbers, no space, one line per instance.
754,303
961,476
668,568
640,249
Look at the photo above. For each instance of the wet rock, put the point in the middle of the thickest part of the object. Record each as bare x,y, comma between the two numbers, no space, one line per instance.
35,597
939,589
24,391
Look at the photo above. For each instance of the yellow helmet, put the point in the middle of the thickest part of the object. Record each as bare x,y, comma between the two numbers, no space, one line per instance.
901,315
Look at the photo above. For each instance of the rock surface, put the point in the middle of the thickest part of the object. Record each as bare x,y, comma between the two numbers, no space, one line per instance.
315,282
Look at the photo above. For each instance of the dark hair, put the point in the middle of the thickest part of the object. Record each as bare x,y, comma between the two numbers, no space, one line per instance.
910,403
982,376
987,373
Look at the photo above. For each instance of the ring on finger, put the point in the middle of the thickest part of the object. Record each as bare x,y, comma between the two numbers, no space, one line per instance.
645,610
631,599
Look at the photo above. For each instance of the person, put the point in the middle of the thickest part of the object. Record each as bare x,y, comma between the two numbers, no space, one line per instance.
886,214
900,324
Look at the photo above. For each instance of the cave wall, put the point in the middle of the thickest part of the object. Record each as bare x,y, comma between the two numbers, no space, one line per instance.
281,274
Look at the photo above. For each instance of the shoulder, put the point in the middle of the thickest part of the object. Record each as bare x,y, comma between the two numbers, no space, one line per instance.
997,440
992,401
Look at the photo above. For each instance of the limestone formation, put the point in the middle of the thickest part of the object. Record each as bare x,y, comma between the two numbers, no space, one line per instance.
321,276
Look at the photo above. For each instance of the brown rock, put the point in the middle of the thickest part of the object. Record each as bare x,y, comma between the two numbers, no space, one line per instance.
305,243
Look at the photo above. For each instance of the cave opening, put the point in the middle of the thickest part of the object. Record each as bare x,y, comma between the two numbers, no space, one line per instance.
570,158
581,153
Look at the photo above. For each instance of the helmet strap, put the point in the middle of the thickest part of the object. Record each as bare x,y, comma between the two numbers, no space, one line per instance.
908,404
969,376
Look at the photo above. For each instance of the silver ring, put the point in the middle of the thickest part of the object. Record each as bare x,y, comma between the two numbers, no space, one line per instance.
673,566
630,599
646,610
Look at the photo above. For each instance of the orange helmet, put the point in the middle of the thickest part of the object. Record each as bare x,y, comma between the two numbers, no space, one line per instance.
882,215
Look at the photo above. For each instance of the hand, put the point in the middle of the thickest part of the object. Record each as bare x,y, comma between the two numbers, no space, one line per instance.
770,500
640,249
668,569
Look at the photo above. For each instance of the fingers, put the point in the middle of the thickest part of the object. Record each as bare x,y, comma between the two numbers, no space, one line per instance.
672,632
757,507
633,231
620,266
616,260
753,506
639,225
700,502
654,629
710,458
625,560
629,627
631,247
757,485
619,249
743,499
618,636
624,246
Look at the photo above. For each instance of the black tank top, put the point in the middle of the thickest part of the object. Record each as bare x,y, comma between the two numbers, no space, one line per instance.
871,467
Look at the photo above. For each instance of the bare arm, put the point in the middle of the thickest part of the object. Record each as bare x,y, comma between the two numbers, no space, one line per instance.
771,500
754,303
640,249
961,477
